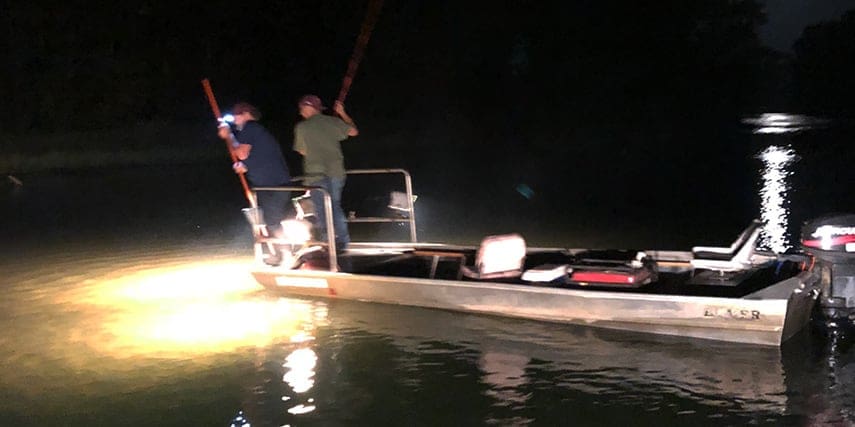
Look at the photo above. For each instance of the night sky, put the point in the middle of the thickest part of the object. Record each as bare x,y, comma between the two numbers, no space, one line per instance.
81,65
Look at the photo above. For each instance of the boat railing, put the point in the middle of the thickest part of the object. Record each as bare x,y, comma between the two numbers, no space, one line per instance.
408,209
409,216
330,243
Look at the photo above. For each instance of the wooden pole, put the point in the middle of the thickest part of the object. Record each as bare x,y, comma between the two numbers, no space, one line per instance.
206,84
365,33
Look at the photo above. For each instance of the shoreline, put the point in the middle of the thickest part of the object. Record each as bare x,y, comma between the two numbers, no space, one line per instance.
21,164
144,143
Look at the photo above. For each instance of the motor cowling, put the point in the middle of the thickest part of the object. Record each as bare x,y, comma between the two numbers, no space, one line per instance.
831,241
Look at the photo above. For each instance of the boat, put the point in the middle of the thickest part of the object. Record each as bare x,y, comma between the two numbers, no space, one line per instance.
736,294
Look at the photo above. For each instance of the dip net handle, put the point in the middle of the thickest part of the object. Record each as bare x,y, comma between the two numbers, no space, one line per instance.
206,84
367,27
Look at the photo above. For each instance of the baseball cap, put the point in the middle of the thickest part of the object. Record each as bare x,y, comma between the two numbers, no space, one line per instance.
245,107
311,101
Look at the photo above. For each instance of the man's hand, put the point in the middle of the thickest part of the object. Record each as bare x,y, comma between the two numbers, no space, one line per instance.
338,107
239,167
225,132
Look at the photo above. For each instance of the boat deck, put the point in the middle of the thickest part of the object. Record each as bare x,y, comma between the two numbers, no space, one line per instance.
665,278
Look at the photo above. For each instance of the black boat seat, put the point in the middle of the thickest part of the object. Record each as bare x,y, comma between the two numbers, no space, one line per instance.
498,257
436,256
739,255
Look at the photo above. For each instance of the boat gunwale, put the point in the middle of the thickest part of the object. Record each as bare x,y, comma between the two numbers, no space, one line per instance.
513,287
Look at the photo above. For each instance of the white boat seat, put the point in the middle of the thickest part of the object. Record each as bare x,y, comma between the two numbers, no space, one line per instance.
726,253
498,257
740,254
547,273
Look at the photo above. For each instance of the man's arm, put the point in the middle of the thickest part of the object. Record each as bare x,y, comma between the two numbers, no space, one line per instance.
299,144
241,151
339,109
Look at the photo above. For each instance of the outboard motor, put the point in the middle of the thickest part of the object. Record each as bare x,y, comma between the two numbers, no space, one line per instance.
831,241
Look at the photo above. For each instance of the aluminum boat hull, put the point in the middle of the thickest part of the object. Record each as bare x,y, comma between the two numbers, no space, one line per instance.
732,294
767,317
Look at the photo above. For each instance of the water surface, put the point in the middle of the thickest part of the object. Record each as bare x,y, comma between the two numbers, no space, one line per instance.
165,336
127,301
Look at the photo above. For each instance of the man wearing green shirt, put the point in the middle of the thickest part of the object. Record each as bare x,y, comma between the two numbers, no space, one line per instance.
318,138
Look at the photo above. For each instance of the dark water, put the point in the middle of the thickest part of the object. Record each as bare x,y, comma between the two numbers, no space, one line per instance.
126,301
162,336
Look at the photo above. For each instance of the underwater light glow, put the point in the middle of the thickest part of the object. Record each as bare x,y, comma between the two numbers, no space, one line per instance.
296,232
192,309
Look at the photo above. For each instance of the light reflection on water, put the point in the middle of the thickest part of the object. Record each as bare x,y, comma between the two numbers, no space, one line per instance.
193,340
776,131
180,309
774,202
76,320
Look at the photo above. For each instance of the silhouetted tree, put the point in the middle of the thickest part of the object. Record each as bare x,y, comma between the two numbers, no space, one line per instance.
825,66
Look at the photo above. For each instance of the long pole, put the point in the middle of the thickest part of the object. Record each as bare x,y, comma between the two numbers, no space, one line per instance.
206,84
365,33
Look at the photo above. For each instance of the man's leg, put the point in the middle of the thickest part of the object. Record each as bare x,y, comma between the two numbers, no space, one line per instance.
342,236
318,206
274,204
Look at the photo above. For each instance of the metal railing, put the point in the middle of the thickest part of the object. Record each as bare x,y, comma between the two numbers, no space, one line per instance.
330,230
408,186
333,256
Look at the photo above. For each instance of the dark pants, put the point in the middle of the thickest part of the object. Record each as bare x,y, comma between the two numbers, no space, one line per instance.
274,204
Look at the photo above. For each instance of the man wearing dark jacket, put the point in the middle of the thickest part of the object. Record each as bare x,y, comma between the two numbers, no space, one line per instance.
261,159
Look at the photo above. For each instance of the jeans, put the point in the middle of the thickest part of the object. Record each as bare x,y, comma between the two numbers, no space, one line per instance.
334,186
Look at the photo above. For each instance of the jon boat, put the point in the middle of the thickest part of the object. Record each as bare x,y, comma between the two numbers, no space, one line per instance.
735,294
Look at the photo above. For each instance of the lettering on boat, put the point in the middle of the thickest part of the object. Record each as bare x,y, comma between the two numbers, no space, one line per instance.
731,313
302,282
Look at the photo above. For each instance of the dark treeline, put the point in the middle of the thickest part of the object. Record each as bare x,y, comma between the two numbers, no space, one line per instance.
513,66
84,65
825,66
